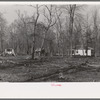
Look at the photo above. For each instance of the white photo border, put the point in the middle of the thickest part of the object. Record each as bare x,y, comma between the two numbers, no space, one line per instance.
41,90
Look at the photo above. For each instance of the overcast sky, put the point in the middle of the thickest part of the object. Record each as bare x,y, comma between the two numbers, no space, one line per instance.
9,11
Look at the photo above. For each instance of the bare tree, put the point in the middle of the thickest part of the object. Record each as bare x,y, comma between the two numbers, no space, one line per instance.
87,33
71,18
34,22
95,31
50,19
2,30
72,10
58,26
24,19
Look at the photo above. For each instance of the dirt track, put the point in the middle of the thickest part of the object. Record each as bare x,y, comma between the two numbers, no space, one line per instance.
59,69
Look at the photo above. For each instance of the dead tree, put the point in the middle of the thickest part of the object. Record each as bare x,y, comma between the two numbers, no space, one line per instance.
49,15
95,31
72,10
23,19
35,18
87,34
2,30
58,26
71,18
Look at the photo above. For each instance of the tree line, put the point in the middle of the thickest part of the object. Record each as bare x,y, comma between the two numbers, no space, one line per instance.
56,28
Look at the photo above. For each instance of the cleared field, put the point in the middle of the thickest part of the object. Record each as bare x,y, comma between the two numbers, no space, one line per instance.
57,69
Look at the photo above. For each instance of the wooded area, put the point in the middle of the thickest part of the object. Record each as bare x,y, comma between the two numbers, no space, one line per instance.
55,28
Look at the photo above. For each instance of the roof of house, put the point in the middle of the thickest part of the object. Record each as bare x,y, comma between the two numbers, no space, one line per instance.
38,50
81,47
90,48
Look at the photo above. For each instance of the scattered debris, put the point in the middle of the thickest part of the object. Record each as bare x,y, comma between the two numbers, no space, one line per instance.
20,69
61,76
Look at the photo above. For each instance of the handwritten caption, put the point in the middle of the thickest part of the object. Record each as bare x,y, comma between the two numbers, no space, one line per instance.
56,84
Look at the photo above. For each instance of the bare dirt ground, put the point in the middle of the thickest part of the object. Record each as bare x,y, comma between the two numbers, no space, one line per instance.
54,69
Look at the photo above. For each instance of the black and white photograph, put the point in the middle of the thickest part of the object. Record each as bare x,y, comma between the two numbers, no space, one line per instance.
49,42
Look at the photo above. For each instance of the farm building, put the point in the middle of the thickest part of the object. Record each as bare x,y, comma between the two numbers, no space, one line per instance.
39,52
83,52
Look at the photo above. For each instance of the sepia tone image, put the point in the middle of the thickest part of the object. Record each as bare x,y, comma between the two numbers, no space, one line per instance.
49,43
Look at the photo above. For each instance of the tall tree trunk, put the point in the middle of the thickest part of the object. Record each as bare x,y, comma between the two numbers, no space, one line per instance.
1,45
72,11
33,44
58,47
33,49
35,25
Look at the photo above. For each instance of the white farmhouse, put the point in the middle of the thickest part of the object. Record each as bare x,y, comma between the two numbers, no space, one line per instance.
82,52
